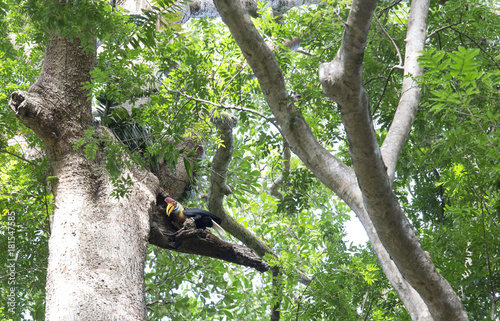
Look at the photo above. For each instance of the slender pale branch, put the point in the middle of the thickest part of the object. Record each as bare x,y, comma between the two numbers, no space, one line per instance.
410,92
341,81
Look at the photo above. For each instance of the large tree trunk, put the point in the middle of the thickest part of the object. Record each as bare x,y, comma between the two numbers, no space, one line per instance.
98,244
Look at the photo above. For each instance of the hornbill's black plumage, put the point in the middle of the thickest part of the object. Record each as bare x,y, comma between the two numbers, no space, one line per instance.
178,214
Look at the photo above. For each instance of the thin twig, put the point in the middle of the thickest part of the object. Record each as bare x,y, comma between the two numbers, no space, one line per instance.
302,51
399,66
273,190
252,111
19,157
442,28
374,78
392,41
479,46
229,82
367,314
339,17
328,47
388,7
488,259
486,135
218,67
299,299
385,88
475,120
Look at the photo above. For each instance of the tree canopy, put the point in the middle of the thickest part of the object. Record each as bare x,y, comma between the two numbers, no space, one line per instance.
160,80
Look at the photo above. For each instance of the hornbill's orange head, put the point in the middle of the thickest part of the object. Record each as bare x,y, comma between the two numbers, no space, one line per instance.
172,206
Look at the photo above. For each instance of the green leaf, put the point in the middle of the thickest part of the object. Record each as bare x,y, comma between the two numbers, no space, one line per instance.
188,167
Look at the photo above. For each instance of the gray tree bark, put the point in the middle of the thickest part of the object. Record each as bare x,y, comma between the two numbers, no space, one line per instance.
206,8
387,226
342,82
98,244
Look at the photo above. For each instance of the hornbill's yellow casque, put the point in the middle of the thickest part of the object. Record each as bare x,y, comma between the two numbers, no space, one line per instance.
178,214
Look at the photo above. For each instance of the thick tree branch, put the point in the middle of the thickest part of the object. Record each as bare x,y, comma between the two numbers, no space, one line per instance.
201,242
218,190
206,8
347,65
414,304
410,92
327,168
294,128
341,83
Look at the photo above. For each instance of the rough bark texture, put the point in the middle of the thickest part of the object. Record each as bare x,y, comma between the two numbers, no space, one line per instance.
206,8
201,242
176,183
344,75
98,244
219,189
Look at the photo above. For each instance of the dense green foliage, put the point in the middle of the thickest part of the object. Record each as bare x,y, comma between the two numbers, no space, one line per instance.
448,177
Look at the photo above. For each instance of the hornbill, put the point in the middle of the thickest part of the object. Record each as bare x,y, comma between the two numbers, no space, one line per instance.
178,214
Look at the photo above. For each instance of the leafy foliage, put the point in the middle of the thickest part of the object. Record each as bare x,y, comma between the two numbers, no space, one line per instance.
26,206
447,177
455,153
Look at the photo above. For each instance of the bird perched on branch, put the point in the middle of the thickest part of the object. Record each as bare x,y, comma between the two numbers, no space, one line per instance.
178,214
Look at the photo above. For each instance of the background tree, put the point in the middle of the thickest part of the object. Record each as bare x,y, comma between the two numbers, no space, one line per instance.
188,76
